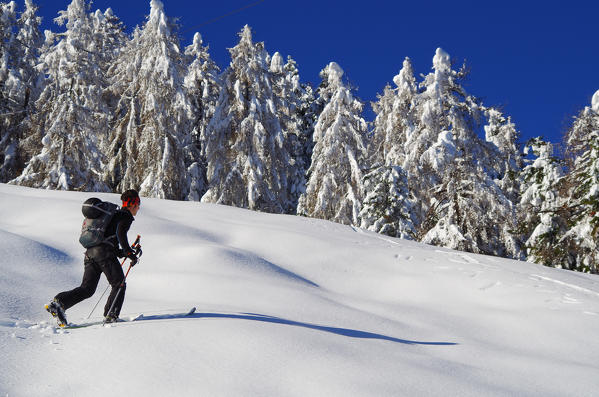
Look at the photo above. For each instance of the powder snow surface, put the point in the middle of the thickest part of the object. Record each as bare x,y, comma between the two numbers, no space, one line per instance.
286,306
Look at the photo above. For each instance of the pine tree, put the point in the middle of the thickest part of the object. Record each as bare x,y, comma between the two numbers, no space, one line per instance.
203,86
395,122
245,144
8,26
501,132
151,128
334,188
20,83
387,207
581,240
541,216
71,114
460,204
470,213
29,43
109,40
430,146
503,165
7,125
384,125
109,37
293,102
450,226
440,113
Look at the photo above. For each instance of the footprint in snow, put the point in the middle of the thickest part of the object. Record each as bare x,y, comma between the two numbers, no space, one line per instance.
467,258
491,285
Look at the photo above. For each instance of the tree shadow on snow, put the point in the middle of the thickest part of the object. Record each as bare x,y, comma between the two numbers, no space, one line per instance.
352,333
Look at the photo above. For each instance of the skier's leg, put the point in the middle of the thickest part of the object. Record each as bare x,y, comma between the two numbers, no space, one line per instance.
114,273
91,277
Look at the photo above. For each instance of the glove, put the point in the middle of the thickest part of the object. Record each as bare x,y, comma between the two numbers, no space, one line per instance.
132,257
138,251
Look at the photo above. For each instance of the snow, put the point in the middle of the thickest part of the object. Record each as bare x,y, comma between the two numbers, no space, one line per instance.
405,79
441,60
286,306
441,152
276,63
335,74
595,102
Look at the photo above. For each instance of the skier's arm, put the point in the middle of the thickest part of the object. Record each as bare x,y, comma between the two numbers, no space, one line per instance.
121,233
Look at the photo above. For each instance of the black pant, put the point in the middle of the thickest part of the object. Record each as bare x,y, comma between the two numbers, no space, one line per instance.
98,260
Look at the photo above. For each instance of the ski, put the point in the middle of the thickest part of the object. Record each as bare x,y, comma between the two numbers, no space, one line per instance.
139,317
167,316
101,322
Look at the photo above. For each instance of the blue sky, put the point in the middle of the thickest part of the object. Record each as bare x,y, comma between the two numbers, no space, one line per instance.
538,60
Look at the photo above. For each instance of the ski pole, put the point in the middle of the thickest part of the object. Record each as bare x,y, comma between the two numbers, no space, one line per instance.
135,244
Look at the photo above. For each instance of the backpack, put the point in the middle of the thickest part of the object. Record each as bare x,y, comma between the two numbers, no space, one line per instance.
98,215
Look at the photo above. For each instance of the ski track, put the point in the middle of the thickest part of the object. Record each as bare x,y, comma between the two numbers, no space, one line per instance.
564,284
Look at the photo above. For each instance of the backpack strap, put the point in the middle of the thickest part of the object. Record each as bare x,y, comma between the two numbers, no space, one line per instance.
96,207
113,239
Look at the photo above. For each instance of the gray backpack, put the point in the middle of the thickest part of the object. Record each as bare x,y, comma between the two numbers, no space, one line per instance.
98,215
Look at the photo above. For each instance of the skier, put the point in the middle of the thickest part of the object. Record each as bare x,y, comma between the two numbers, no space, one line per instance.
100,259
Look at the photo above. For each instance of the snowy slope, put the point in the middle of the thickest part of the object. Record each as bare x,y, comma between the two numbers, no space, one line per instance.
286,306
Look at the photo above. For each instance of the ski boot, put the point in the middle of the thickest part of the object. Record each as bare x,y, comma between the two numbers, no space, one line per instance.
57,311
110,318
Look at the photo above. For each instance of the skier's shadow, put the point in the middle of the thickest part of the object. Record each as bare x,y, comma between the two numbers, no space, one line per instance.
352,333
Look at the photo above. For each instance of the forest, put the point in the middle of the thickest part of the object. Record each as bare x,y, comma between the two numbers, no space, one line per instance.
93,108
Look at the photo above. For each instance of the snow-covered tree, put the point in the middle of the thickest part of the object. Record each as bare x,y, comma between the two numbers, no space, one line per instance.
203,86
72,118
387,207
202,83
8,27
20,83
581,240
7,106
542,223
501,132
388,204
25,55
459,202
470,212
294,109
334,189
109,40
395,119
109,36
429,146
151,129
247,157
